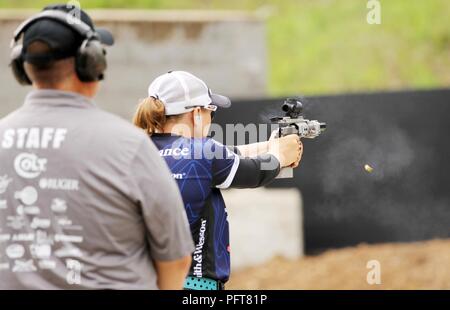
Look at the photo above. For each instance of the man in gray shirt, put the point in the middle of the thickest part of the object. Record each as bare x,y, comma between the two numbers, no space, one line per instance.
86,202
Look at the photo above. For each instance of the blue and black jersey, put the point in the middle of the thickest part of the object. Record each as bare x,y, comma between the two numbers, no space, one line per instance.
201,168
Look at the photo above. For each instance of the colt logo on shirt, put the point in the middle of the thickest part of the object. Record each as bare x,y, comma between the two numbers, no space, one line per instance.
29,166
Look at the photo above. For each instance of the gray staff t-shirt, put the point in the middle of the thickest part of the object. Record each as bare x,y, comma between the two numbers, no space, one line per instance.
86,202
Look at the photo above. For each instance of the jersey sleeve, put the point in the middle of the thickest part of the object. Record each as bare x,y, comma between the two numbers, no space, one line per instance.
224,165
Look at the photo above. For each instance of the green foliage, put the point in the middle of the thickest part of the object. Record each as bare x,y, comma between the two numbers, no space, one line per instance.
326,46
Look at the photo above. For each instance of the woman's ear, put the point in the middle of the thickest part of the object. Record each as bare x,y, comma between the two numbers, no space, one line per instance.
197,117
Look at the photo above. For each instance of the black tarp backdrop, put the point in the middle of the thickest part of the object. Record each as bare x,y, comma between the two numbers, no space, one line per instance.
404,136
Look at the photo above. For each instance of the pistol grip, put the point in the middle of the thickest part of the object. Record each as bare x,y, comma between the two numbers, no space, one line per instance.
286,173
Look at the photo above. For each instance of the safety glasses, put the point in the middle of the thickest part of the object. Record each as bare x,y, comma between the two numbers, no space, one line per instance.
211,107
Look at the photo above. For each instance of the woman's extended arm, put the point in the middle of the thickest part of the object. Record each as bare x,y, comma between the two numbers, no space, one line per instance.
258,148
256,171
253,149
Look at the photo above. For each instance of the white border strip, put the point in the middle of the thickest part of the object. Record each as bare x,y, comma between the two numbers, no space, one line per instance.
230,176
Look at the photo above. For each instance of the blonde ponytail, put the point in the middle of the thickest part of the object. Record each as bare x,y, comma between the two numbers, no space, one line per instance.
150,115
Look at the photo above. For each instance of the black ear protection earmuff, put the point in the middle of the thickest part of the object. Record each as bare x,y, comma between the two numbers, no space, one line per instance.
90,59
17,66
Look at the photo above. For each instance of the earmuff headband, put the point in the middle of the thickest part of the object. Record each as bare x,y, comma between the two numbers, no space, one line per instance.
79,26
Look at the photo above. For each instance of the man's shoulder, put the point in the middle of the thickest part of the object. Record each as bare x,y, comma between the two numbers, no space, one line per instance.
99,129
7,119
115,125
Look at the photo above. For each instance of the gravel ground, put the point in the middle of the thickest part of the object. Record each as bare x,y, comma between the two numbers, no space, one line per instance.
419,265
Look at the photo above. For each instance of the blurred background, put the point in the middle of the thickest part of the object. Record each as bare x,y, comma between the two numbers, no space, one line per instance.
383,89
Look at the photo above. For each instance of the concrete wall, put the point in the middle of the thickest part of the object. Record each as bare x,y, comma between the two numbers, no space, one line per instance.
264,223
227,50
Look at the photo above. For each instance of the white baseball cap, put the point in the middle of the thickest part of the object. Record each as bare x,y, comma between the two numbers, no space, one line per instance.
181,92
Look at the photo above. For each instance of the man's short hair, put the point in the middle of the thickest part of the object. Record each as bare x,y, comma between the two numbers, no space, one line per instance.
48,73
